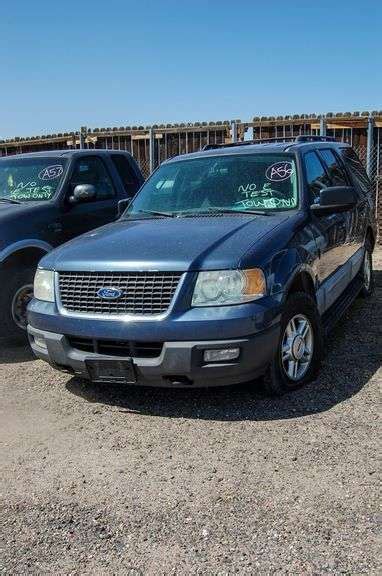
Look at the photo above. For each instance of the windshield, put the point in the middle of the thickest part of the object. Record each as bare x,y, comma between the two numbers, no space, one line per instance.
263,182
30,179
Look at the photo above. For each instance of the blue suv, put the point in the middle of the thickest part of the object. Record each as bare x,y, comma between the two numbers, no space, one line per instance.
228,264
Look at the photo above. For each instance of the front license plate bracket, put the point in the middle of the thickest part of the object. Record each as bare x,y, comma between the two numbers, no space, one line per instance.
111,371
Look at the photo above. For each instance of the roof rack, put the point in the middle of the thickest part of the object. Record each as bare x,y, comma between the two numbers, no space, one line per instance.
298,139
311,138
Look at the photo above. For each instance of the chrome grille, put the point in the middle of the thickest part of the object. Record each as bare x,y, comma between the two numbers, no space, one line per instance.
143,293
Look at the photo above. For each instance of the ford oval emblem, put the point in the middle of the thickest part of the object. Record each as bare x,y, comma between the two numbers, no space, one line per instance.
109,293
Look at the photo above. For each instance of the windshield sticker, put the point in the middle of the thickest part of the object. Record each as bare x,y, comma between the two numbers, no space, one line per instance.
245,189
249,190
31,191
279,171
51,172
271,203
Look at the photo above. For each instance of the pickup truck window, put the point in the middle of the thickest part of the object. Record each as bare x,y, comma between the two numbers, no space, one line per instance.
91,170
30,179
129,179
230,182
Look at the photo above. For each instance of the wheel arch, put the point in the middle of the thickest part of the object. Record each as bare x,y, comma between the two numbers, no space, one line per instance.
291,272
302,281
24,253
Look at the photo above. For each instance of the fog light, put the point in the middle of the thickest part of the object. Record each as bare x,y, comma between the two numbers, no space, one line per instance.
221,354
39,341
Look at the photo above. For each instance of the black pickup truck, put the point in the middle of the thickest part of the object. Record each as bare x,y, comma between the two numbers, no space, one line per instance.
47,198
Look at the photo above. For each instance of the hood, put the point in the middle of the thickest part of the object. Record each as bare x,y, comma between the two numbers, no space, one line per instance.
6,209
176,244
18,221
9,212
5,206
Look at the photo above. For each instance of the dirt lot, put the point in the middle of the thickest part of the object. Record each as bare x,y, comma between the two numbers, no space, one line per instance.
112,480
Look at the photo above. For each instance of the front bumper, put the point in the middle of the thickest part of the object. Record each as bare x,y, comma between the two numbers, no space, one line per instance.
180,364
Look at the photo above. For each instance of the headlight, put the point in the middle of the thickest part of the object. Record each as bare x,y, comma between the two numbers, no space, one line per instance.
44,285
228,287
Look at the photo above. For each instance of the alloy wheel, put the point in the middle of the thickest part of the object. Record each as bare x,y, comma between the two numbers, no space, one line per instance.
19,305
297,347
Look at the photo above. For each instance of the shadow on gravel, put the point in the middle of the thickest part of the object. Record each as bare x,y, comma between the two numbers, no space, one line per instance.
11,353
353,356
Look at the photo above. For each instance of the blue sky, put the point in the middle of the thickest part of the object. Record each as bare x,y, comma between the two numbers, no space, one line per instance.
121,62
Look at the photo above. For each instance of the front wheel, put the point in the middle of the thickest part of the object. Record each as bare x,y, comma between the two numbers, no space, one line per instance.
297,358
16,293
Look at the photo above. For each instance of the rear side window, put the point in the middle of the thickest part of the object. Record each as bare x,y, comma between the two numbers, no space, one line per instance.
356,169
92,170
126,173
336,172
316,175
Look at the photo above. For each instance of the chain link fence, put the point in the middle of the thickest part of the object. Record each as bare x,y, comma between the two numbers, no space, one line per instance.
373,165
376,178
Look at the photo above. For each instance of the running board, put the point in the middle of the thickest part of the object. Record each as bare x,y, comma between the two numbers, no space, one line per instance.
337,310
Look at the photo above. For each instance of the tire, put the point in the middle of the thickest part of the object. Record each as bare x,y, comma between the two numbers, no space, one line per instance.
367,272
17,288
303,351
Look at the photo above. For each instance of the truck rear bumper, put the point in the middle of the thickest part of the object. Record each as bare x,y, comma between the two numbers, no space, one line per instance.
178,364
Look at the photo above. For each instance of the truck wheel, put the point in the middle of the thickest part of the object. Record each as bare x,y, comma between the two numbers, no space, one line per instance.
299,351
15,296
367,272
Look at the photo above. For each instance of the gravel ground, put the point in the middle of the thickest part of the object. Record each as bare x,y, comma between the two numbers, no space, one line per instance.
113,480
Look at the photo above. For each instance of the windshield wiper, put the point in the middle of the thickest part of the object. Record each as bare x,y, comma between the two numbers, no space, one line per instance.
240,211
10,201
199,212
157,213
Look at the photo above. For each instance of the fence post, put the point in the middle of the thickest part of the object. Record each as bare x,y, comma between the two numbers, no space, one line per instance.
152,149
322,126
369,149
82,136
233,131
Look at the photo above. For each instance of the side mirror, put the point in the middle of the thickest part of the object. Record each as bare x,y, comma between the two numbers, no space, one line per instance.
335,199
83,193
122,205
